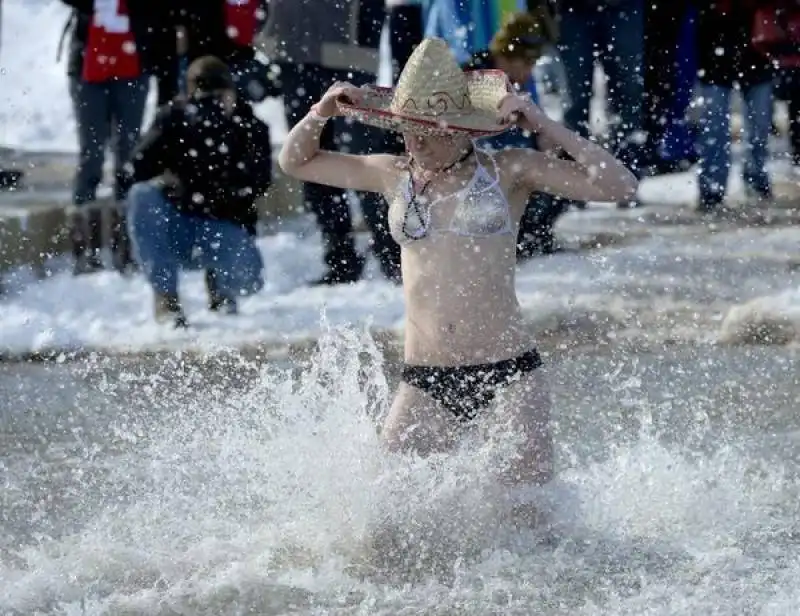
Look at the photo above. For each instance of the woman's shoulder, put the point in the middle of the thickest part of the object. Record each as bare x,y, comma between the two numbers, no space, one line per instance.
513,159
392,169
514,165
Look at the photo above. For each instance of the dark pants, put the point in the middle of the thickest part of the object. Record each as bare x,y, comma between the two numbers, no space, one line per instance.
788,89
107,115
615,36
794,120
328,204
669,76
406,27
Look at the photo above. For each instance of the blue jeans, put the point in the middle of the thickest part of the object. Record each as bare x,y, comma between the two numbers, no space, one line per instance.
166,240
616,34
714,143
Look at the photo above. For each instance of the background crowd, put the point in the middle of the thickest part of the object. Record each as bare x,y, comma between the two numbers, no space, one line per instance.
186,186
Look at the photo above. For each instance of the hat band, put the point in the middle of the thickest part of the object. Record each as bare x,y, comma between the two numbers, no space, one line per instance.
435,105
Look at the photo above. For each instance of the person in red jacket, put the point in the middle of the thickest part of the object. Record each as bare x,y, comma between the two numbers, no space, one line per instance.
108,87
227,29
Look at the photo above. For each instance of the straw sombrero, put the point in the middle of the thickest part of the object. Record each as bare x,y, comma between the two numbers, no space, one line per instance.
434,96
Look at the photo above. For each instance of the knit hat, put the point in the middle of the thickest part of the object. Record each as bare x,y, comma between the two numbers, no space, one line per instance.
209,74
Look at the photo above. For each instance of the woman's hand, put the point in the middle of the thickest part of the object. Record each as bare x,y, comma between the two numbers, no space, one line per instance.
519,109
340,91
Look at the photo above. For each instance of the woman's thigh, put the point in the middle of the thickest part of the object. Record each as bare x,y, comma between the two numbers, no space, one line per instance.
522,412
416,423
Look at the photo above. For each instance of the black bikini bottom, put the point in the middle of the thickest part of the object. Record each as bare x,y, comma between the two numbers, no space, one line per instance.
465,390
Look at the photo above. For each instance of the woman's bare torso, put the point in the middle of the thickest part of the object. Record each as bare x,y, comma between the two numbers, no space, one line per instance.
461,302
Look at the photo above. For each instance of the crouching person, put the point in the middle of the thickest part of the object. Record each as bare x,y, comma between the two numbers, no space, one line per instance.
197,174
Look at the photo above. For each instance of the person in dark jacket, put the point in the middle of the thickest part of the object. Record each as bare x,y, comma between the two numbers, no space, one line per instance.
726,56
108,85
198,172
514,49
315,43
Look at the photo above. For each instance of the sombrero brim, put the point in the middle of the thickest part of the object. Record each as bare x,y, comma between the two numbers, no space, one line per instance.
486,88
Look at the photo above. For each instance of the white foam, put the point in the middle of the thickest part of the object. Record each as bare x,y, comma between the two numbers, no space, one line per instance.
771,319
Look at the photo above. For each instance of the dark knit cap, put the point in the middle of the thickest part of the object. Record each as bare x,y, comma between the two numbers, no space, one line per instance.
209,74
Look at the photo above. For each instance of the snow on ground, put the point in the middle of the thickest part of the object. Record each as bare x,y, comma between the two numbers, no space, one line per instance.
667,286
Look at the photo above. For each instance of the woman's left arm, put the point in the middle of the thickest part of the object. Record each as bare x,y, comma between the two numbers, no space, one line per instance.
593,174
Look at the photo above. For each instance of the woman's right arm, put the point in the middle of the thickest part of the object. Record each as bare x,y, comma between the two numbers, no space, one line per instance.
302,158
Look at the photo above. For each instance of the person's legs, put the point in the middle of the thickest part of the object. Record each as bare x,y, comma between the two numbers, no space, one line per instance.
128,100
127,103
793,95
523,408
714,144
536,227
576,46
622,49
91,104
233,263
405,33
757,126
417,424
303,85
679,142
162,240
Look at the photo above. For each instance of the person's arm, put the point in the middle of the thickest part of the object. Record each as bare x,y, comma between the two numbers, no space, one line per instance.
150,158
593,174
302,158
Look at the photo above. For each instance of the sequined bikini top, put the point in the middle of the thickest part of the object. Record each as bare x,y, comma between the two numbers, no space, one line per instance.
481,209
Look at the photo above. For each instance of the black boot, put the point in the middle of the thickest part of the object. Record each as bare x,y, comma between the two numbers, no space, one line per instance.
87,260
345,265
10,178
216,301
120,244
167,309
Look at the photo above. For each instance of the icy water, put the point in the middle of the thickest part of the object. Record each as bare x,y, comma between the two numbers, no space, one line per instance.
172,488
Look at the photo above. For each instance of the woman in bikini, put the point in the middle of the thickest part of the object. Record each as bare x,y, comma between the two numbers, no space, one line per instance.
455,211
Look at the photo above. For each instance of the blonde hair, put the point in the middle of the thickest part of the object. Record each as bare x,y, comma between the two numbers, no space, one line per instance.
524,35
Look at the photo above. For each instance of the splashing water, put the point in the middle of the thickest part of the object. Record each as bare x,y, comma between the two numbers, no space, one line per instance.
282,500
